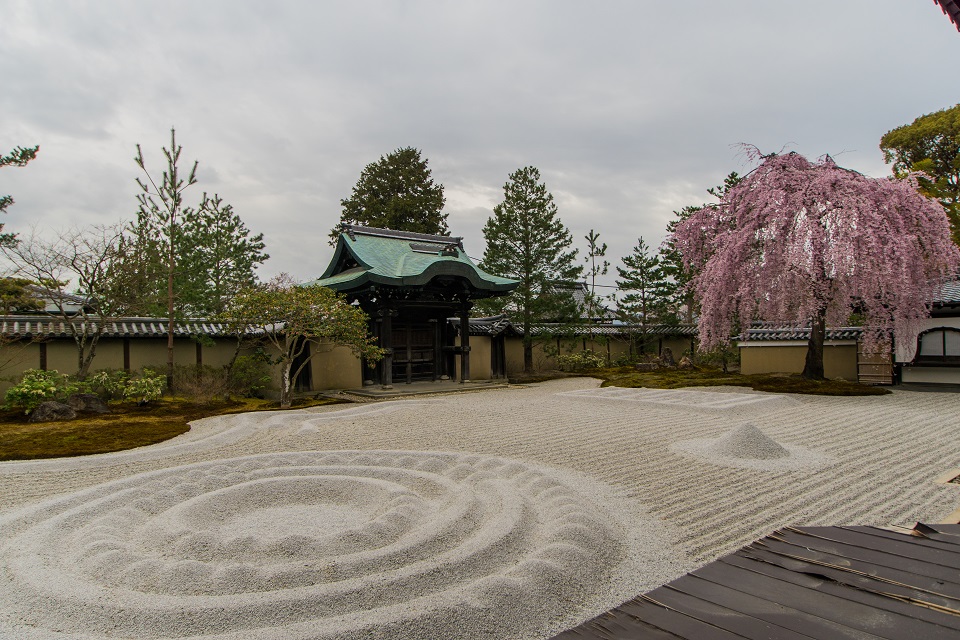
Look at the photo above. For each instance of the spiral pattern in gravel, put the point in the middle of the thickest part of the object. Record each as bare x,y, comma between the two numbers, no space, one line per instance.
308,545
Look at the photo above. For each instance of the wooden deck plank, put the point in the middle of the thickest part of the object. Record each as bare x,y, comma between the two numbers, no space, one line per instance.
873,613
851,583
859,574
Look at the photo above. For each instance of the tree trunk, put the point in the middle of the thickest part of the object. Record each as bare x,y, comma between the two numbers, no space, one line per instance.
527,345
170,319
813,367
285,387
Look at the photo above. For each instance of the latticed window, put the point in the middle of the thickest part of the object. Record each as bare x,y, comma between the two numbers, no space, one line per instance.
940,346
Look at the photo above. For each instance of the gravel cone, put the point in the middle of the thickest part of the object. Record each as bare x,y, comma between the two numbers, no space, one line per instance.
747,441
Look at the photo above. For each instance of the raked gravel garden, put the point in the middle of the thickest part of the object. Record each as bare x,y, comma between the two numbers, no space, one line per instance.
509,513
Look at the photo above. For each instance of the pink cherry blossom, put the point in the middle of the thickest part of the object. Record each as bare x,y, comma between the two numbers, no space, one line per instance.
807,243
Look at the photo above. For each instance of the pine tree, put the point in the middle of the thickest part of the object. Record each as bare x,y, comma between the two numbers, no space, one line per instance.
642,276
162,209
19,157
595,250
137,276
217,258
396,192
526,241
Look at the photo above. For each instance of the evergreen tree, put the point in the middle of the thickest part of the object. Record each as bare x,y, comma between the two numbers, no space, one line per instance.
289,318
643,278
396,192
595,250
19,157
526,241
217,258
162,211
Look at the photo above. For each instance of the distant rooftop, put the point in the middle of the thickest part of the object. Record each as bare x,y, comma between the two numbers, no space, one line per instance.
368,257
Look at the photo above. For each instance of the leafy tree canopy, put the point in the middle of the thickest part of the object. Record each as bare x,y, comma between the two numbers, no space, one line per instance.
528,242
930,144
808,243
396,192
218,257
16,296
290,317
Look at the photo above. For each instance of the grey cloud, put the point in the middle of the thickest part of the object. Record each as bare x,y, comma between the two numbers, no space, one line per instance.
630,109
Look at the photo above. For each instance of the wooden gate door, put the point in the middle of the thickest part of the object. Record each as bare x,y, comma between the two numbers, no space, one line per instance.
414,351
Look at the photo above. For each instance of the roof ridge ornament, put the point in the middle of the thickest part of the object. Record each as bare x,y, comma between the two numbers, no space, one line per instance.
354,230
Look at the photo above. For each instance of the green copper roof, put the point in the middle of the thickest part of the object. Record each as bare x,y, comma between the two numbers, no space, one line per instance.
367,256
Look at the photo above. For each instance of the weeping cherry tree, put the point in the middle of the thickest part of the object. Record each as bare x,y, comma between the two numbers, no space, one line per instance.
812,243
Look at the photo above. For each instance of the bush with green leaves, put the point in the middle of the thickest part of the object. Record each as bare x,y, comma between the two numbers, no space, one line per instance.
581,360
200,382
627,360
249,376
149,385
35,387
109,384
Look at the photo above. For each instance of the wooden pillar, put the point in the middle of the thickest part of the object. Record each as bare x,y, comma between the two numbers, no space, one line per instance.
386,343
409,347
126,355
436,348
43,356
465,342
199,355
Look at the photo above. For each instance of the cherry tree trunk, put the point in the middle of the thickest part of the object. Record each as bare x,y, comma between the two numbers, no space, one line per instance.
813,367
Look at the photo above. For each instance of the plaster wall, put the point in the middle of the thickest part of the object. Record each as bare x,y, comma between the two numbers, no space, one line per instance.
931,375
839,361
480,347
335,367
906,345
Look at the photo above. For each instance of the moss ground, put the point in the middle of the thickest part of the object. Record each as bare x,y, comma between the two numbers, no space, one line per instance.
127,427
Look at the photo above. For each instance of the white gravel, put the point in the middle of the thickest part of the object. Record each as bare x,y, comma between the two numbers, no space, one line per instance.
504,514
747,447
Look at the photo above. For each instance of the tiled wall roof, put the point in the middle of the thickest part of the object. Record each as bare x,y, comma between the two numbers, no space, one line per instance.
36,326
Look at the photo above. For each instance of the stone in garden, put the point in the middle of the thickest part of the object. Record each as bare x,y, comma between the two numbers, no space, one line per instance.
51,411
647,366
88,402
685,363
666,358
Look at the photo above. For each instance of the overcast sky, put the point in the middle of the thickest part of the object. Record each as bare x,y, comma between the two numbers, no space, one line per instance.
629,109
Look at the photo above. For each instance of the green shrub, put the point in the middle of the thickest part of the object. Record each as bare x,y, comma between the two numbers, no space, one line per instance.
38,386
626,360
581,360
200,383
250,375
109,384
146,387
